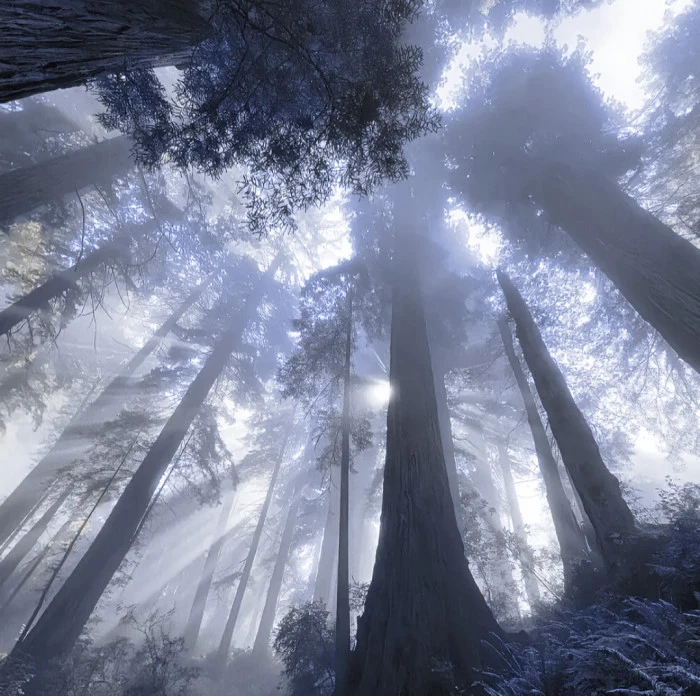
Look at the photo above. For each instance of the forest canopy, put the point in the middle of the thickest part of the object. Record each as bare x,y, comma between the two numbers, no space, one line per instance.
349,349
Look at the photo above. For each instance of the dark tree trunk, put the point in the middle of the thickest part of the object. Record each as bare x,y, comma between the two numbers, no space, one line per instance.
22,190
342,613
572,544
657,271
194,622
267,619
71,445
598,488
423,604
61,624
329,549
47,46
225,643
532,588
27,541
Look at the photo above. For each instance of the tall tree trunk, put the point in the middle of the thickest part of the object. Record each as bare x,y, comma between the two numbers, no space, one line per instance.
267,619
225,643
329,549
61,624
423,604
598,488
71,444
22,190
572,544
657,271
47,46
27,541
342,614
194,621
532,588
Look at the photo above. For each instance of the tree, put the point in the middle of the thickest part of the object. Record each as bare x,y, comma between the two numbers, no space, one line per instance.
599,489
536,138
572,544
22,190
421,585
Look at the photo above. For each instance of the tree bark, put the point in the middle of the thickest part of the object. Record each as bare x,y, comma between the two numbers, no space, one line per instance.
225,643
656,270
22,190
27,541
47,46
598,488
423,605
71,445
342,614
267,619
572,544
194,621
532,589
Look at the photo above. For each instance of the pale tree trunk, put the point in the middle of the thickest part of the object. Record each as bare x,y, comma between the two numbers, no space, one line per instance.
527,561
572,544
423,605
225,643
656,270
47,46
342,612
194,621
267,619
71,445
22,190
599,489
329,548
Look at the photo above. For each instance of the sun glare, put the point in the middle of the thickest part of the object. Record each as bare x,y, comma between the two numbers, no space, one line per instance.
379,394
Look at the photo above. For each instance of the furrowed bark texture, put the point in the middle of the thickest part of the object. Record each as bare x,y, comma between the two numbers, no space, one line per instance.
225,643
657,271
22,190
194,621
572,544
423,606
598,488
71,445
532,588
61,624
53,45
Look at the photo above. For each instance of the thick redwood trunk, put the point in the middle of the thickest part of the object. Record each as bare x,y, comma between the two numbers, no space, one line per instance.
598,488
61,624
657,271
423,605
71,445
342,606
225,643
532,589
27,541
46,46
267,619
194,621
572,544
22,190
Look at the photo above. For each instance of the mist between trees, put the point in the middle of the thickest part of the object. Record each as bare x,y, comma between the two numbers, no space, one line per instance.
313,384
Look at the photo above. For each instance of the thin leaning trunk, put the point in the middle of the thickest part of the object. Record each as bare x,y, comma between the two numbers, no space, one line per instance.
71,445
47,46
22,190
572,544
61,624
527,560
423,606
225,643
599,489
342,614
656,270
194,621
267,618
